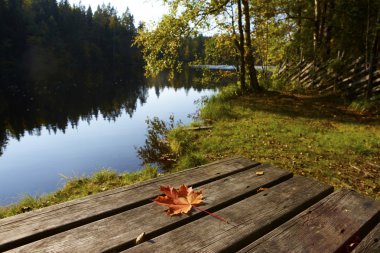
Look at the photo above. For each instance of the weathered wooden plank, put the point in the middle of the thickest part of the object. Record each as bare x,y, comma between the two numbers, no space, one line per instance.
370,243
121,230
330,225
248,220
28,227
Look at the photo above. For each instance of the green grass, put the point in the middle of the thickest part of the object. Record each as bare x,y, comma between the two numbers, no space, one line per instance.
366,106
100,181
317,137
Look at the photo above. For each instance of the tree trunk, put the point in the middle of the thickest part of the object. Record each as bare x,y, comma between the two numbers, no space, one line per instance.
241,47
236,42
317,13
321,43
299,32
374,56
249,57
329,28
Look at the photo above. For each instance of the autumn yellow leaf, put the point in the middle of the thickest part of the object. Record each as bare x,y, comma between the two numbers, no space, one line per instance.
259,173
262,189
179,200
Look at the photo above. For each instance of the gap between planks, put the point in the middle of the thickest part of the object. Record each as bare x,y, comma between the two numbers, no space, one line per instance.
335,224
370,243
119,232
249,219
26,228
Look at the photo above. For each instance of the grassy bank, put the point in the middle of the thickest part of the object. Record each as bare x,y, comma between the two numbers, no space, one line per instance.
79,187
317,137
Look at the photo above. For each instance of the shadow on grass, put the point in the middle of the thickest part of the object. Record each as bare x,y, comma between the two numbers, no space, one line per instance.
315,107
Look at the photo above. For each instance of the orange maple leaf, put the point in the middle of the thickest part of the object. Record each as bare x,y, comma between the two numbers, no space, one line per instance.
179,200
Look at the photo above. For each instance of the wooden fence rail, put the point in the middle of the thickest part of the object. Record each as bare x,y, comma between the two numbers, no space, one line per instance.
353,81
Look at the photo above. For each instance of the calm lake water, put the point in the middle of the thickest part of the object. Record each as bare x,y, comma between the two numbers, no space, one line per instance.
73,133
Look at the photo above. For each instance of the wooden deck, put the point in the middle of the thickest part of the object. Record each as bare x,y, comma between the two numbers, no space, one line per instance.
294,214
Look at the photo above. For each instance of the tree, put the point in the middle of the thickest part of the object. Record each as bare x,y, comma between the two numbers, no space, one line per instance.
240,45
160,46
249,57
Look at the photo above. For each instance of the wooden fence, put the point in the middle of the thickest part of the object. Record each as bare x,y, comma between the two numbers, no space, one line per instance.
352,80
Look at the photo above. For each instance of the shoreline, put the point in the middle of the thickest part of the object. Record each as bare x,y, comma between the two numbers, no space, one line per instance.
330,145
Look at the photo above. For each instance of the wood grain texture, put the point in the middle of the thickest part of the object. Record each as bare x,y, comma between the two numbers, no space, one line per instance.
370,243
330,225
248,220
121,230
28,227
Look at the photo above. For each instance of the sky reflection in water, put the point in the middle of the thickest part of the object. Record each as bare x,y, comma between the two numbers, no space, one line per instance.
34,164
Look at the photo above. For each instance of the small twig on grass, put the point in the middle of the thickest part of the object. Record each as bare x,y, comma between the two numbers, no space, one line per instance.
356,168
198,128
373,165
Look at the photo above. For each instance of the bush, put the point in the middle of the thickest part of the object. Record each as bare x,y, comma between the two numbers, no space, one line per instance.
181,141
157,148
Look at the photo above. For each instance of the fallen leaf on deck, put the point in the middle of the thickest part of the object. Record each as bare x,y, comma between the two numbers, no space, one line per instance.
262,189
140,238
179,200
259,173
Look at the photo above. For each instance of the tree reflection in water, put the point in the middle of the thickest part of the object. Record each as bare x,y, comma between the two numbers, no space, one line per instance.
26,106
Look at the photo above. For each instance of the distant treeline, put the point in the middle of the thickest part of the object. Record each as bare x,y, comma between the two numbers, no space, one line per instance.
41,38
60,63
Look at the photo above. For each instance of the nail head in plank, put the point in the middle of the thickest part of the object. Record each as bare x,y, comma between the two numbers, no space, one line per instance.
328,226
370,243
249,219
28,227
115,232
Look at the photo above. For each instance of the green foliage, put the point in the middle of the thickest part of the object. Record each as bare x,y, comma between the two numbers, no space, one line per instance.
366,106
221,50
147,172
157,148
193,49
218,106
42,39
330,34
189,161
104,176
167,45
335,66
180,141
166,142
266,79
271,31
160,47
217,78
